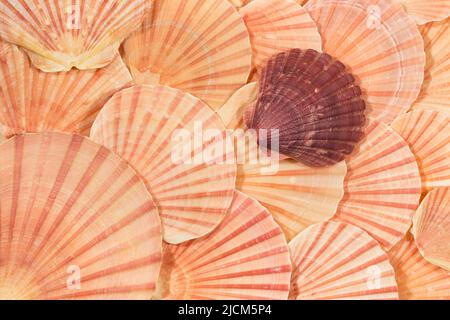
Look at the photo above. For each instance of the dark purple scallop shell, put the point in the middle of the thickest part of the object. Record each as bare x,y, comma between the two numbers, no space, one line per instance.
314,103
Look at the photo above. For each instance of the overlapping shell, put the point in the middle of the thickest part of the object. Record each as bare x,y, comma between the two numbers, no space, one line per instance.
295,194
276,26
382,187
200,47
418,279
246,257
334,260
424,11
150,127
435,92
427,135
35,101
312,103
76,222
61,34
431,227
380,44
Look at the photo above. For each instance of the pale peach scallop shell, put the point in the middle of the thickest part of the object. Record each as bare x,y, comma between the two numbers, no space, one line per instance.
382,187
424,11
296,195
246,257
334,260
200,47
426,132
418,279
73,213
276,26
431,227
142,124
59,34
35,101
435,92
380,44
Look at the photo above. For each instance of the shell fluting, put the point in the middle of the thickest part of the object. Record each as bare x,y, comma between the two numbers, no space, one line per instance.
246,257
60,34
334,260
313,104
424,11
426,132
431,227
418,279
150,127
382,187
380,44
200,47
35,101
76,221
276,26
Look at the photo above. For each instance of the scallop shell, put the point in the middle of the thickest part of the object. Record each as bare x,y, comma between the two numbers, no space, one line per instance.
424,11
427,135
276,26
246,257
435,92
418,279
296,195
382,47
334,260
382,187
200,47
76,221
431,227
143,125
35,101
313,103
60,34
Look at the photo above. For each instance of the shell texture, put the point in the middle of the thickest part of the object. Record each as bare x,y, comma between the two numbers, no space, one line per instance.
76,221
239,3
424,11
337,261
192,186
382,187
427,135
276,26
200,47
246,257
59,34
35,101
431,227
380,44
418,279
435,92
313,104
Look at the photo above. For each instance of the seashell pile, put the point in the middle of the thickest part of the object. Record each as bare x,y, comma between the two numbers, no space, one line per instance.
224,149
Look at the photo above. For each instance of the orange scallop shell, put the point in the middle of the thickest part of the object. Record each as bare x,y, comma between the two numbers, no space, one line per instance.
76,222
424,11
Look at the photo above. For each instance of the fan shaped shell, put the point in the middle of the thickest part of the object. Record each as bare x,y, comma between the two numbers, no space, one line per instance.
76,221
276,26
382,187
61,34
200,47
380,44
424,11
417,278
435,92
427,135
193,188
35,101
431,227
246,257
334,260
295,194
313,104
